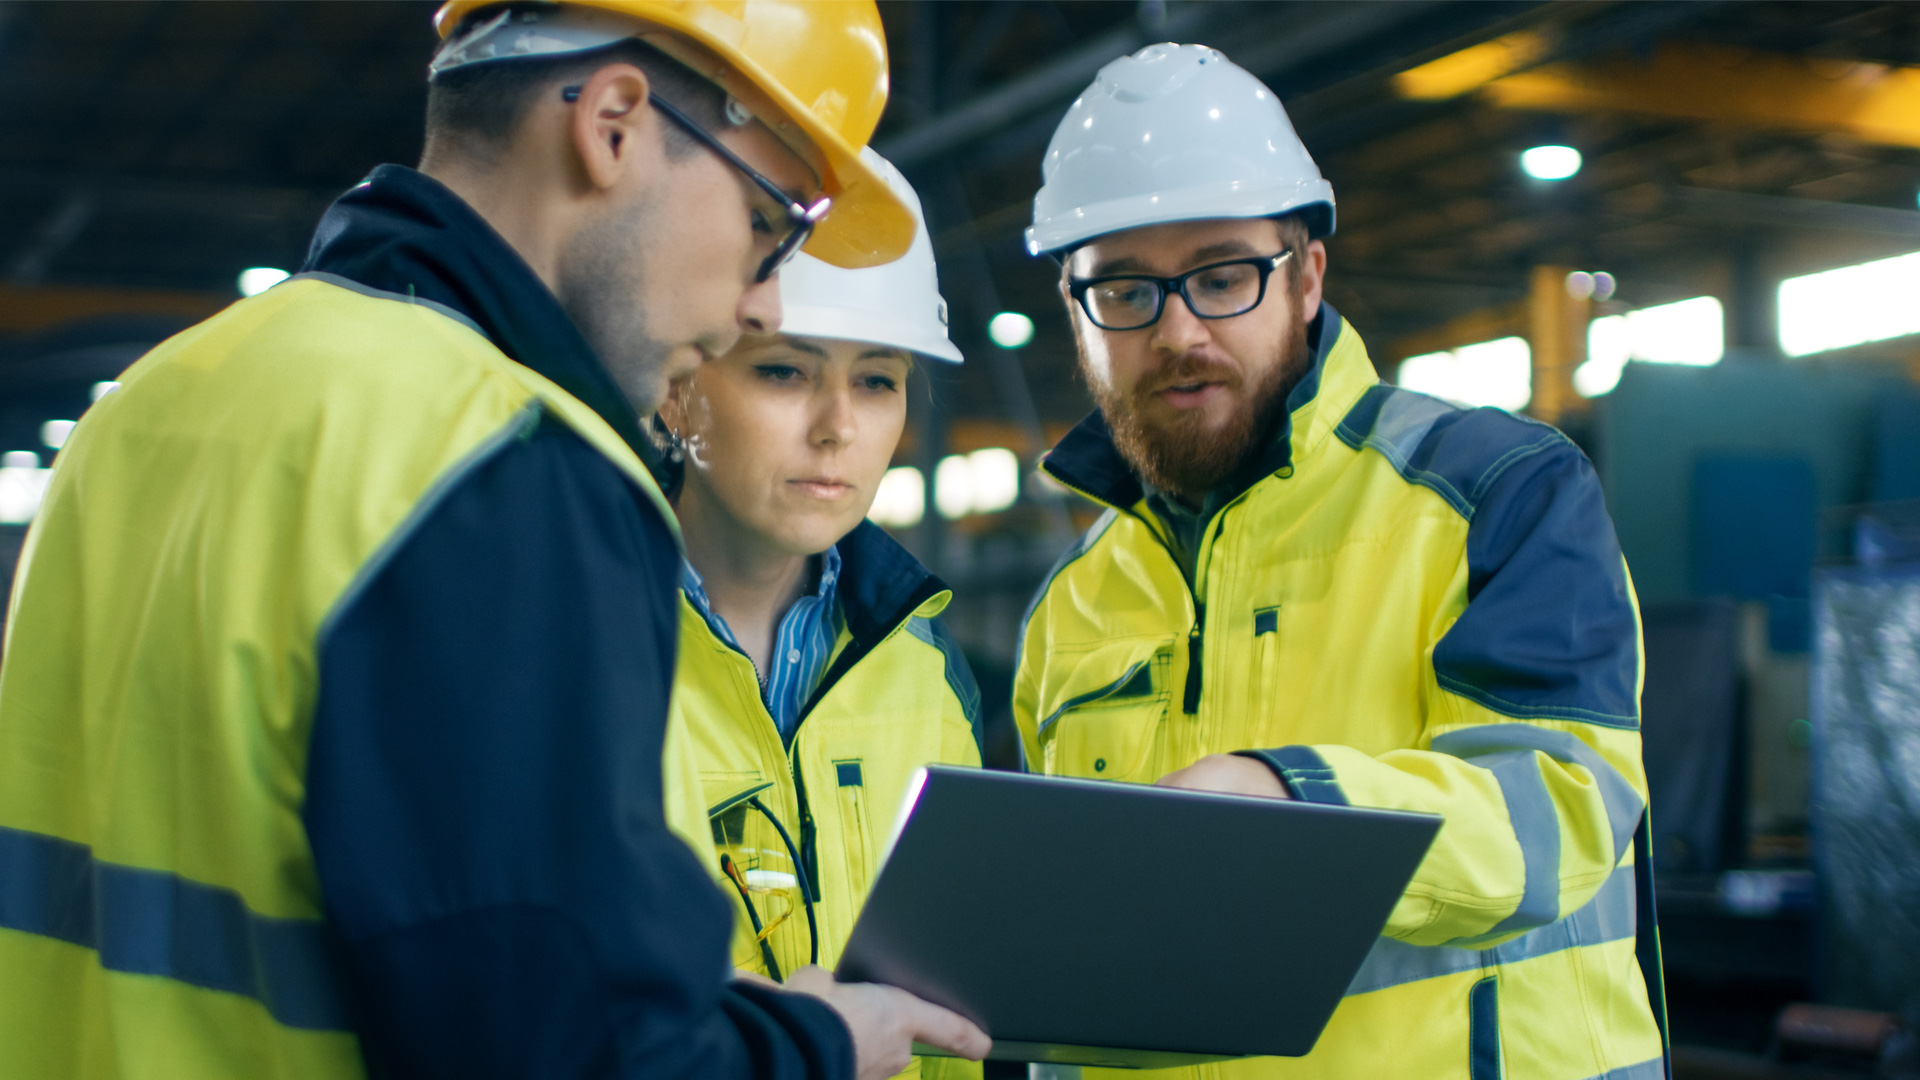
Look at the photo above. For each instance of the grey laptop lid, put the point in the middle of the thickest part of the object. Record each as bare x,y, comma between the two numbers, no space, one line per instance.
1089,922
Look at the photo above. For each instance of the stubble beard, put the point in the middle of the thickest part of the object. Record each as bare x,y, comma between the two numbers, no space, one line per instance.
602,272
1183,456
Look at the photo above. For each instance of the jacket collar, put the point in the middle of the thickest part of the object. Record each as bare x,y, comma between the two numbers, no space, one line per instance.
878,585
881,583
1087,461
402,232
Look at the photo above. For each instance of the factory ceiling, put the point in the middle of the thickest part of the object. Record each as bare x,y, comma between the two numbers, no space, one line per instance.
151,151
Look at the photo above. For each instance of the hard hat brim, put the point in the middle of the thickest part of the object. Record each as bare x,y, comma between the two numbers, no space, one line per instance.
1228,200
868,224
837,324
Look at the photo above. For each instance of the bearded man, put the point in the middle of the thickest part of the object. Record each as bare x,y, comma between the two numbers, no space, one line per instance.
1310,585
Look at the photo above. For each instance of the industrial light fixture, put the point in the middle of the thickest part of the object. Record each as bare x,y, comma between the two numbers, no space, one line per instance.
1598,285
1550,162
1010,329
258,279
54,433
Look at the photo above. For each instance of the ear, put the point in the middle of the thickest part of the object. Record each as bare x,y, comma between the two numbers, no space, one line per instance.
613,130
1313,268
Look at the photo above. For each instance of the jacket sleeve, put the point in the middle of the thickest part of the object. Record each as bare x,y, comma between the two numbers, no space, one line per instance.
1531,748
484,799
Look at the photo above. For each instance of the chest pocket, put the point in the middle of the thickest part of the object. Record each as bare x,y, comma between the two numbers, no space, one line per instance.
1107,730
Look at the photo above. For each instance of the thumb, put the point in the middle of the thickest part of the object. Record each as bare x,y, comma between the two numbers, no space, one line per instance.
947,1030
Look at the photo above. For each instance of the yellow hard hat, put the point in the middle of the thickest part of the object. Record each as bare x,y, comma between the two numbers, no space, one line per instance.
814,72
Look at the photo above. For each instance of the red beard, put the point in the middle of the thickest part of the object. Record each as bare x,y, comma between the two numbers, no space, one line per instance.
1183,456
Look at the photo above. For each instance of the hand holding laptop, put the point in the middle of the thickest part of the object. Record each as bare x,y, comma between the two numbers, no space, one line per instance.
1229,775
886,1022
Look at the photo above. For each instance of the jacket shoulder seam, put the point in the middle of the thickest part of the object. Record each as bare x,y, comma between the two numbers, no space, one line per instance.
517,427
1400,453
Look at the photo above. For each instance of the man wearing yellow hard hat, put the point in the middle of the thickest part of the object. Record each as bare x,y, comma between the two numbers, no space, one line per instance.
338,666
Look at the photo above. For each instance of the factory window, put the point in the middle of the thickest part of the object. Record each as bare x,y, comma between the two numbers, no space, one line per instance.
22,484
902,498
1497,373
1852,305
983,482
1683,332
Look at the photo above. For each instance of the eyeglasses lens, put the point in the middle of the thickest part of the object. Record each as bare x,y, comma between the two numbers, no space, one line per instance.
1212,292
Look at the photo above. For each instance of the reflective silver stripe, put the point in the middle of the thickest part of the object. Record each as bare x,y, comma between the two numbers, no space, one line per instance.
149,922
1609,916
1624,805
1654,1069
1537,827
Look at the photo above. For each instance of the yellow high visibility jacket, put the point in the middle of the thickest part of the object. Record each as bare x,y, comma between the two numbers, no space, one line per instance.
1408,605
896,694
335,682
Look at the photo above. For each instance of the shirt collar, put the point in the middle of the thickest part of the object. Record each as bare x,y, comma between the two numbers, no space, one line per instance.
691,583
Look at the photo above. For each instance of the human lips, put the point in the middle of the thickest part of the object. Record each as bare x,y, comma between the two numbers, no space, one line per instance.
1194,391
821,487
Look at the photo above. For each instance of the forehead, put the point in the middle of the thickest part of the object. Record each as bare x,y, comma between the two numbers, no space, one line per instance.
1169,248
823,348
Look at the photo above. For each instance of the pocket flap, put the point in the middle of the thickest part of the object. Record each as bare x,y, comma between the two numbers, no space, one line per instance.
1111,671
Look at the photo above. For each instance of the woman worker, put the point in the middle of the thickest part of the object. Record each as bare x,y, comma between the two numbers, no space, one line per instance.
813,676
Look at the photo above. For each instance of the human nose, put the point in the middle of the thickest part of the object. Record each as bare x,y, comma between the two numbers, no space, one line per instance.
1178,330
759,311
834,423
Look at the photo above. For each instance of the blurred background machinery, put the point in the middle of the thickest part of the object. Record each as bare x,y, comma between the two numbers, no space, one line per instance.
1686,233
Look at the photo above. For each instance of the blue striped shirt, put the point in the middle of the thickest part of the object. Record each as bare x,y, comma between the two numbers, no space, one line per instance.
802,644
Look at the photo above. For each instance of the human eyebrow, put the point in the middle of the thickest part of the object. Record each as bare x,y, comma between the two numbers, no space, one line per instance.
1224,250
883,354
805,346
1123,264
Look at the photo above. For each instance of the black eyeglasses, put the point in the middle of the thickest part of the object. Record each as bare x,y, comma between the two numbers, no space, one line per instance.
1215,291
801,218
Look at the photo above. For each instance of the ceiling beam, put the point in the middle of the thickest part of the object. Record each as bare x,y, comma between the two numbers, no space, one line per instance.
1746,208
37,307
1695,80
1052,82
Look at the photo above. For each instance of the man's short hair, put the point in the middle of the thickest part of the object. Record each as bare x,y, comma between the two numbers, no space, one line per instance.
475,109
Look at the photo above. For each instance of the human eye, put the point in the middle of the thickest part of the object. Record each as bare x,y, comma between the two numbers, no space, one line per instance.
779,373
1130,292
883,384
761,223
1224,279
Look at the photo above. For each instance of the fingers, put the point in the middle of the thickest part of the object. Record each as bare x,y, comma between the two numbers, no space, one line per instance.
946,1029
812,979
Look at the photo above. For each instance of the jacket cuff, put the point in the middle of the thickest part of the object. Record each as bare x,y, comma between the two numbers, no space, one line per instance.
1303,772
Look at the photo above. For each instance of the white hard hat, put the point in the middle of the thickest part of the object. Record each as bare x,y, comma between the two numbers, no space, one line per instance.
1173,133
896,304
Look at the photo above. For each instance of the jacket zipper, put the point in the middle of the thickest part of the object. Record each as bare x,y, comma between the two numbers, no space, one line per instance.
1196,639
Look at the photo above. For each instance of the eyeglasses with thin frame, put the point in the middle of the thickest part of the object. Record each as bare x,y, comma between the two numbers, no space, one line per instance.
801,217
1136,301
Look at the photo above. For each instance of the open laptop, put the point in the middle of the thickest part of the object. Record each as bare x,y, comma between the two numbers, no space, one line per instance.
1092,923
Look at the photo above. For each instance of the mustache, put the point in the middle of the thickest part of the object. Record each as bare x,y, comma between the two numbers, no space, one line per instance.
1190,368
